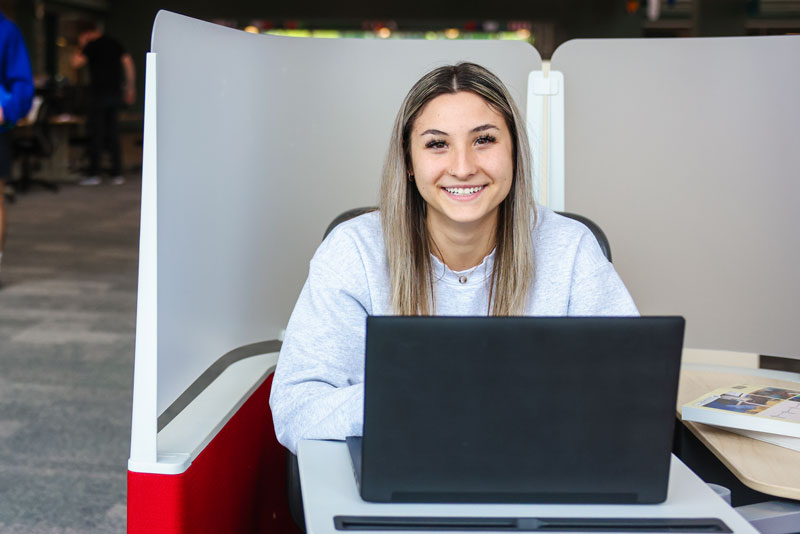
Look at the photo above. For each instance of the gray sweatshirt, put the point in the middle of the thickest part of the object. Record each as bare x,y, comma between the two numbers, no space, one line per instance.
318,390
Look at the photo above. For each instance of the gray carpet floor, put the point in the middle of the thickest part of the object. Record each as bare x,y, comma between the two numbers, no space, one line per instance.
67,318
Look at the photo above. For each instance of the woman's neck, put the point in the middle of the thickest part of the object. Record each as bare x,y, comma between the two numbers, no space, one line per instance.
461,246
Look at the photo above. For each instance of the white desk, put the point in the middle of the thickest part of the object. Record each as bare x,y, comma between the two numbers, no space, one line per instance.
329,490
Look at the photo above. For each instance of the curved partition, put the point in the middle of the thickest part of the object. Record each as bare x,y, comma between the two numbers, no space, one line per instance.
262,141
253,144
685,152
258,142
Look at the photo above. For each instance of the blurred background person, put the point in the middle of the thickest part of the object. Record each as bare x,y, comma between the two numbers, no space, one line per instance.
112,78
16,95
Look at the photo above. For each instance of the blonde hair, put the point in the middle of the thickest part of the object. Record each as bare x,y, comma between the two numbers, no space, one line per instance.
403,210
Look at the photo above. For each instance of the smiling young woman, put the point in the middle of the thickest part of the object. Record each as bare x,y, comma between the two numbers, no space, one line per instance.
457,233
458,129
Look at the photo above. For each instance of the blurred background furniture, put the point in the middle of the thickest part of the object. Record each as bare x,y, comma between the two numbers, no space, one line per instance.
33,145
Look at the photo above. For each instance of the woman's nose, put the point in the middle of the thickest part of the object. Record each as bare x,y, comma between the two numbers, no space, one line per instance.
463,164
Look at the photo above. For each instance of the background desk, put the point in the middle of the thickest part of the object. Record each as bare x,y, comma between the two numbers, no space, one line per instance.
62,127
761,466
329,489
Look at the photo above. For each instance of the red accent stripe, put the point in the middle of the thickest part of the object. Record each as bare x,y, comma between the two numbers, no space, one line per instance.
236,484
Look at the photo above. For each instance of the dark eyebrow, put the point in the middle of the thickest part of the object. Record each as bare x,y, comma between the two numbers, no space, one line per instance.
481,128
484,127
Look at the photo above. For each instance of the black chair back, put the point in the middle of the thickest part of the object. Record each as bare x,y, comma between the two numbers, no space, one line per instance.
598,233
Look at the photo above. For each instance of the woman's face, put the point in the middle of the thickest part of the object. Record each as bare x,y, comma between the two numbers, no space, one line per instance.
461,158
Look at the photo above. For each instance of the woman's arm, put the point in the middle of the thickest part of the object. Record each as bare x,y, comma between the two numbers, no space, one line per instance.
318,391
596,288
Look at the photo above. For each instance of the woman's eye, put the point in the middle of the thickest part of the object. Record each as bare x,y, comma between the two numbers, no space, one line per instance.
436,144
485,140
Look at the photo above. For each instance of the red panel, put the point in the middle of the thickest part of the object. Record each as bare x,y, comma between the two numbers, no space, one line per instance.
236,484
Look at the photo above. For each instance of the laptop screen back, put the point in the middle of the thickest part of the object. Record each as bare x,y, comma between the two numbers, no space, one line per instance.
519,409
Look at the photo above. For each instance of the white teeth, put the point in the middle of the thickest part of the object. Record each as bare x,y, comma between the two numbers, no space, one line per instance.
463,190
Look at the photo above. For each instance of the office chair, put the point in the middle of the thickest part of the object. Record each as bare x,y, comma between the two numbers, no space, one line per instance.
36,146
598,233
292,467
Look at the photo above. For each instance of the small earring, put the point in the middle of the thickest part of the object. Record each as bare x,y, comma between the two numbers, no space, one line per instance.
411,177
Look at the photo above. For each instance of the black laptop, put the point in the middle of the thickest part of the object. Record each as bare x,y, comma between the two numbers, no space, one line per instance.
518,409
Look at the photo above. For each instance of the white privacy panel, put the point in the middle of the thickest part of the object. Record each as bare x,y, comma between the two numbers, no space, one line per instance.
262,141
686,153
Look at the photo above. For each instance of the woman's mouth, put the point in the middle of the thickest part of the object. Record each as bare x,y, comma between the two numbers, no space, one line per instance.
464,193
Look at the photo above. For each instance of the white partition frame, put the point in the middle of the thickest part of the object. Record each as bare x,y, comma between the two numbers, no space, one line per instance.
545,121
144,417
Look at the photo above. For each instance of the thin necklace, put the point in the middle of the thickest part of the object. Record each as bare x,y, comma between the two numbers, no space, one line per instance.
462,278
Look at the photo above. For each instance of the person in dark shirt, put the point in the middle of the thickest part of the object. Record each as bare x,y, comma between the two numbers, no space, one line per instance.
16,95
111,83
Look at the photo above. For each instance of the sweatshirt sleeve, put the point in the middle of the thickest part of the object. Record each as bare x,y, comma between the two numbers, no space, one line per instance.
17,93
318,391
596,288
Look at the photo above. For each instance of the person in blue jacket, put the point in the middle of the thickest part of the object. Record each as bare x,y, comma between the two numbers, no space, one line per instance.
16,95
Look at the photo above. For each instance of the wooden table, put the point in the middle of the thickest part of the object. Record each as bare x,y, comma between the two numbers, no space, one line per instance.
761,466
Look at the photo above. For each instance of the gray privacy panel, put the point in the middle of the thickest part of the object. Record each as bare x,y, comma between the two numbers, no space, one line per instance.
686,153
262,141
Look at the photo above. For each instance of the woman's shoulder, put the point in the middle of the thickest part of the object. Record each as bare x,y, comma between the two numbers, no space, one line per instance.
551,225
358,238
563,237
362,228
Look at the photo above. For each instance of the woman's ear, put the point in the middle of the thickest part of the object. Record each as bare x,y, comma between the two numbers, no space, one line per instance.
409,171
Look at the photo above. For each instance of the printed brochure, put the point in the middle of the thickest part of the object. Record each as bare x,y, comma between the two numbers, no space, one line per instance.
767,413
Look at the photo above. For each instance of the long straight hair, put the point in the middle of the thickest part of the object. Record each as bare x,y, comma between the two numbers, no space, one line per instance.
403,210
